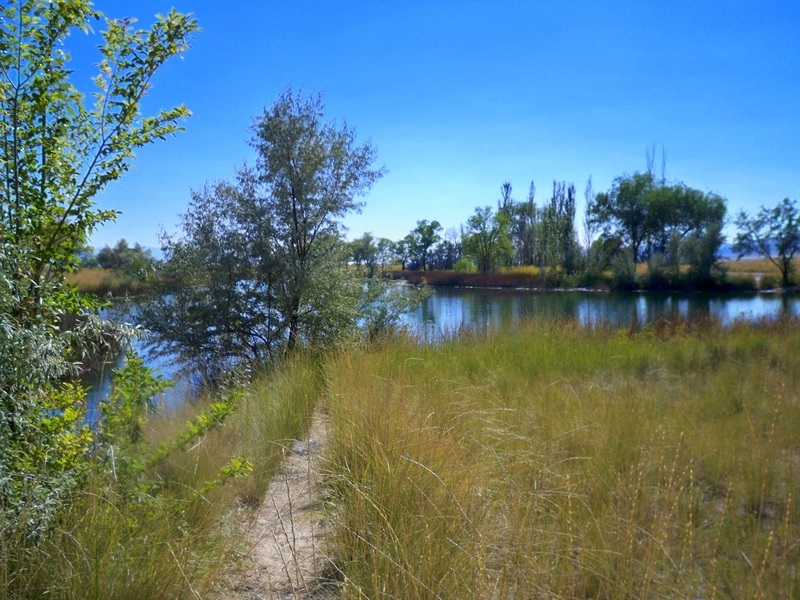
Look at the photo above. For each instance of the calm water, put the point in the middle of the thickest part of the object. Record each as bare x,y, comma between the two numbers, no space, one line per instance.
447,311
99,384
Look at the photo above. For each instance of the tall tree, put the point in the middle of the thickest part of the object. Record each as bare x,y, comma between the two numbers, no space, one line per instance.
423,237
57,151
623,211
524,228
404,250
364,251
653,218
773,233
312,171
265,255
487,239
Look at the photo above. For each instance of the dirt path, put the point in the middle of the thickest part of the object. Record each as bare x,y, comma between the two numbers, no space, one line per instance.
288,558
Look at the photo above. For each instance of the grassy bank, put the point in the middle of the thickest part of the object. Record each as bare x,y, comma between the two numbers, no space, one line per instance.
106,282
556,462
742,276
548,461
510,277
178,536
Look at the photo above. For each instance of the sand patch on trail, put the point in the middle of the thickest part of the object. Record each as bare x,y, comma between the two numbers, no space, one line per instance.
287,557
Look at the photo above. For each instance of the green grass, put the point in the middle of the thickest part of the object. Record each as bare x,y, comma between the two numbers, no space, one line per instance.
552,461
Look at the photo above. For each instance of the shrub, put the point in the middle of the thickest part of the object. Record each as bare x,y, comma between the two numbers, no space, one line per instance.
465,265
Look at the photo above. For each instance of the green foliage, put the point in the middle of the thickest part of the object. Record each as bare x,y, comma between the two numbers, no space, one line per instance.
261,266
665,222
465,265
421,239
364,252
208,420
487,239
623,210
134,262
124,416
557,238
383,302
543,236
624,270
774,234
57,151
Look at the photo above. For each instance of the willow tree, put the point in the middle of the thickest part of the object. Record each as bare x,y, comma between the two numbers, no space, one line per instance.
772,233
265,254
312,171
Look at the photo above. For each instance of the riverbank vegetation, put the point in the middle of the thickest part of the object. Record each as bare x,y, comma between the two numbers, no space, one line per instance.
168,517
737,276
555,461
552,460
645,233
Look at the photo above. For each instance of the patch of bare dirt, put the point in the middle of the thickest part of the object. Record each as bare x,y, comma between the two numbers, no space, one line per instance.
287,558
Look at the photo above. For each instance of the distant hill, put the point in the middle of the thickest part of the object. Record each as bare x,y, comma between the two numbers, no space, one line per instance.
727,253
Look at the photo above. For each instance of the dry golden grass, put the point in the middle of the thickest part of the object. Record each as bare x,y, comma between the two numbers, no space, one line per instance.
102,282
755,266
556,462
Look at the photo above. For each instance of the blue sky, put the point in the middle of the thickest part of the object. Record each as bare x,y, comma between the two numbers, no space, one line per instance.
459,97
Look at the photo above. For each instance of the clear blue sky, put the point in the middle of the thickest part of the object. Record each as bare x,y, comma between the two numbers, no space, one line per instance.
460,96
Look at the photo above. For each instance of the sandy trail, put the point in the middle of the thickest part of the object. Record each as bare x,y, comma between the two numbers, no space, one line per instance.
287,558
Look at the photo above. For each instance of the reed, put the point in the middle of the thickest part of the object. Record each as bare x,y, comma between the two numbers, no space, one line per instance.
105,282
555,461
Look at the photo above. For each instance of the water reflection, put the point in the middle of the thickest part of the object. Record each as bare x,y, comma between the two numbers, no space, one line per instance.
448,311
99,384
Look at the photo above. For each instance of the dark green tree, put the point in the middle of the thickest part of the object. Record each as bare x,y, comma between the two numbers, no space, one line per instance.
659,222
524,228
133,261
386,253
623,211
773,233
404,249
423,237
364,252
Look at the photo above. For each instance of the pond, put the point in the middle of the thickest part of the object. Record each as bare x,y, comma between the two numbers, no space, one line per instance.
448,311
99,384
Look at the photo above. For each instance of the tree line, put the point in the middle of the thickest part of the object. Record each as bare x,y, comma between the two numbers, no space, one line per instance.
675,229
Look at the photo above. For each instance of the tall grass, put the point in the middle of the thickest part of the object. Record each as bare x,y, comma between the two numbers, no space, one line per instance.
507,277
552,461
179,538
105,282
